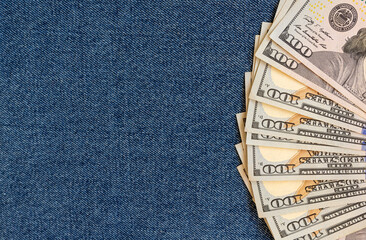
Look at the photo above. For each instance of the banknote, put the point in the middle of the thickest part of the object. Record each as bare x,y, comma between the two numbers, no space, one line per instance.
258,39
247,87
348,227
329,38
255,60
280,142
266,119
265,26
313,222
281,164
272,141
264,30
240,117
359,235
278,228
293,225
279,10
268,163
283,197
309,222
283,62
242,154
244,176
272,87
301,154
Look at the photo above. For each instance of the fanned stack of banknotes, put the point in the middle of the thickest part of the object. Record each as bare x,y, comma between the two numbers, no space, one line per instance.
303,148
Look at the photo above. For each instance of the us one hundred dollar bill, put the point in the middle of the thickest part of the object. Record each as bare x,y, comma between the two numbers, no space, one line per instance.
359,235
273,163
286,143
266,119
328,37
314,222
340,229
286,64
278,164
273,87
307,230
282,142
269,163
282,197
259,38
307,223
281,164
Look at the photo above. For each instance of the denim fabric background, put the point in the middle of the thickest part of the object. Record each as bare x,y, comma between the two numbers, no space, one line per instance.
117,118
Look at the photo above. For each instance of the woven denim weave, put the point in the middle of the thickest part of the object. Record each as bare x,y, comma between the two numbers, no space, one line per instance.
117,118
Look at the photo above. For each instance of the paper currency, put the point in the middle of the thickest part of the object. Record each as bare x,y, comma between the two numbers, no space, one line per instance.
277,164
283,197
265,119
273,87
277,57
298,224
280,164
360,235
272,141
303,155
328,37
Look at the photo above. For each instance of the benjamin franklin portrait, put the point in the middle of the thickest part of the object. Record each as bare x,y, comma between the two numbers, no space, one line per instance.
348,68
360,235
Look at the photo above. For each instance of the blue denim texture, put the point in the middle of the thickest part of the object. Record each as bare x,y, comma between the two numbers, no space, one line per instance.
117,118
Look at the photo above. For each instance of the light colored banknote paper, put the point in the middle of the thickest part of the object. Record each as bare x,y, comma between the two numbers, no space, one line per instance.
273,87
332,223
268,166
268,163
247,86
240,118
244,176
284,63
306,223
338,230
283,197
359,235
281,164
258,39
280,5
329,37
281,230
299,225
266,119
271,197
273,141
352,227
309,222
278,229
313,222
264,30
242,154
255,60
